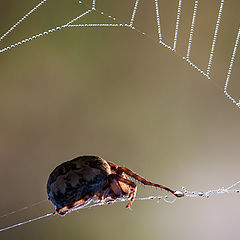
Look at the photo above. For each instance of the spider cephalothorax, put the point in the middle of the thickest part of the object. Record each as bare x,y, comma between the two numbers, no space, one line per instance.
77,182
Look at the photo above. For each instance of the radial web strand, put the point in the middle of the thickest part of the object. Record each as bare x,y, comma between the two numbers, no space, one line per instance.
215,37
230,71
134,13
158,21
192,29
177,25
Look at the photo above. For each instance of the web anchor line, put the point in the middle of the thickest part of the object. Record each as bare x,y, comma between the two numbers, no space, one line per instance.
25,222
78,209
223,190
92,8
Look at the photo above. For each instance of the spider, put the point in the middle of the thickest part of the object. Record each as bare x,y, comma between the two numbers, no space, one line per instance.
75,183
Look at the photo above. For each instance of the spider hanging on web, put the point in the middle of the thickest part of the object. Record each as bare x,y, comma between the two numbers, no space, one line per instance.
75,183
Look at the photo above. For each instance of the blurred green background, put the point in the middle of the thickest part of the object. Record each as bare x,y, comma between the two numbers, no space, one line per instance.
118,94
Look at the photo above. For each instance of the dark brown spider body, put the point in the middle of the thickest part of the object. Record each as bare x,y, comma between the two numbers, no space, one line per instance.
77,182
73,180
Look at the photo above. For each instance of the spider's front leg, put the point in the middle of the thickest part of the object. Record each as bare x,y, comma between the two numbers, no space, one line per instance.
132,174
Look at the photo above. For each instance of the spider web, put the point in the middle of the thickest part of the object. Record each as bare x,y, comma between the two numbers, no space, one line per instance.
116,23
130,24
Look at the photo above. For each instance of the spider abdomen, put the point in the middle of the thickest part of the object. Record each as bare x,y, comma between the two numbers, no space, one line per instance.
73,180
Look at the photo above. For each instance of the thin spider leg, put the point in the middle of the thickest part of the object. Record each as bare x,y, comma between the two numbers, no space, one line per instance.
132,196
101,198
142,180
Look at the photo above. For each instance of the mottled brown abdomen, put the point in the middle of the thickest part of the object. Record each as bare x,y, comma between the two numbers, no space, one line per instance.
73,180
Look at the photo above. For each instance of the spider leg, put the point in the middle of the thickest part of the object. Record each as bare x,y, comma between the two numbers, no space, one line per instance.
132,185
132,174
78,204
112,165
101,196
132,195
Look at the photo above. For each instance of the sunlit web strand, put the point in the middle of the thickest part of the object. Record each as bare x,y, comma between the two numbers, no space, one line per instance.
192,28
69,24
131,23
22,209
177,25
158,20
25,222
205,74
131,26
215,37
22,19
77,209
97,25
187,193
145,34
80,16
134,12
93,4
230,70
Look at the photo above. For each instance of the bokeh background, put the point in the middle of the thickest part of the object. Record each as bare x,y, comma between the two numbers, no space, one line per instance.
120,95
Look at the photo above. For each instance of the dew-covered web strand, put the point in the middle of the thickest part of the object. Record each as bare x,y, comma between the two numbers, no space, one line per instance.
64,26
215,37
166,198
134,13
85,207
177,25
22,19
230,70
158,20
130,25
192,29
210,193
93,7
159,40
